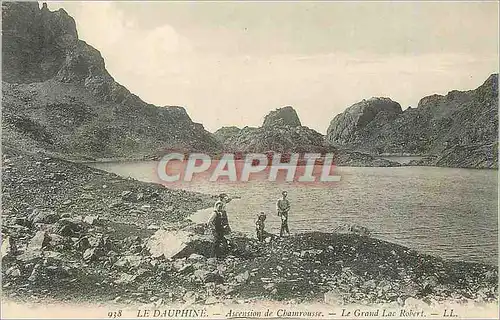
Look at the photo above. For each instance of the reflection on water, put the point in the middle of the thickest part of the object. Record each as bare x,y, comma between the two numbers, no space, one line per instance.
446,212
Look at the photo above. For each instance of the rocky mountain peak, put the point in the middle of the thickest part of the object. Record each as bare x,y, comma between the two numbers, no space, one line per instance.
178,113
59,97
35,41
490,86
343,127
492,79
224,133
286,116
281,131
371,107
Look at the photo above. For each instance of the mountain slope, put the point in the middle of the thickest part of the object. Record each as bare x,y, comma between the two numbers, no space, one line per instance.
59,97
439,126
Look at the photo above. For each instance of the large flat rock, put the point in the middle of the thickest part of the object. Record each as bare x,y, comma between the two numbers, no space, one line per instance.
179,244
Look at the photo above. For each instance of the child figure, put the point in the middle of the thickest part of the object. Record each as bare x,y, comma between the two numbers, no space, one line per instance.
259,226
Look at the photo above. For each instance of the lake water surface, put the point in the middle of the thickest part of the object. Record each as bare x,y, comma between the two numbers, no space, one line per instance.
446,212
401,159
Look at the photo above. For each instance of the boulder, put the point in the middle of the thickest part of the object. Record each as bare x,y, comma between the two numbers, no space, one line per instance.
129,261
91,220
39,241
411,302
36,273
51,256
82,244
69,227
13,272
91,254
179,244
352,228
8,246
43,216
286,116
242,277
125,278
29,256
211,300
21,221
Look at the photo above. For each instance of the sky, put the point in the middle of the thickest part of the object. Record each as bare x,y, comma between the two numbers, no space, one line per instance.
231,63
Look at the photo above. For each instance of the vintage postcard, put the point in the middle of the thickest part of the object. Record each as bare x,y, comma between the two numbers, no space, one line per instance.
250,160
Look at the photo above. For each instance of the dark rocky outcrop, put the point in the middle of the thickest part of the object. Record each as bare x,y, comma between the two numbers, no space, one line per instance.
281,131
58,96
348,127
276,138
286,116
460,129
35,42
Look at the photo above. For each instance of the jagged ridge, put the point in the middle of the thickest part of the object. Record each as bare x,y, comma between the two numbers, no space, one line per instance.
439,126
58,95
282,132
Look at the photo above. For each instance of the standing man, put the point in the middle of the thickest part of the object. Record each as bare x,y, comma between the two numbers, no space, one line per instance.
219,225
260,226
283,207
220,206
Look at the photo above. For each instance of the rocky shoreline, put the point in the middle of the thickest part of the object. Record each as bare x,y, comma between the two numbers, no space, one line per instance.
73,233
483,156
343,159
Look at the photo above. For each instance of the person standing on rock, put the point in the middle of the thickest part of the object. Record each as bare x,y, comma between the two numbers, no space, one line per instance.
283,208
259,226
220,206
219,226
